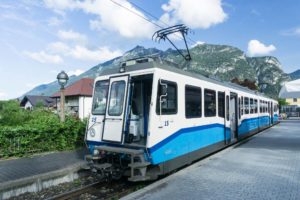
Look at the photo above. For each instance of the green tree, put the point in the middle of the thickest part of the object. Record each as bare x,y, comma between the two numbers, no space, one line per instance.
282,102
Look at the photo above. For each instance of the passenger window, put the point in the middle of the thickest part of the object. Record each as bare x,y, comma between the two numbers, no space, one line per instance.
221,104
246,105
239,108
227,108
255,106
251,106
210,103
192,102
169,102
242,105
260,107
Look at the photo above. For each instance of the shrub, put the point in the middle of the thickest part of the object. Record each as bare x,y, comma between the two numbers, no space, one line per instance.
25,132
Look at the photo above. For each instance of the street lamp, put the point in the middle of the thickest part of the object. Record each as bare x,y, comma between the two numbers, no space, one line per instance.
62,79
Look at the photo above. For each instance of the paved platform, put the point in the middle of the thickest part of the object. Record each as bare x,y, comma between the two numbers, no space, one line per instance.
267,166
25,172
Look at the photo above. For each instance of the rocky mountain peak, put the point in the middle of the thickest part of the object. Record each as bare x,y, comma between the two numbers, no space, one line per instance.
222,61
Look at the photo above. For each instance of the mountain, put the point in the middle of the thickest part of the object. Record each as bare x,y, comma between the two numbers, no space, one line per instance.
295,75
222,61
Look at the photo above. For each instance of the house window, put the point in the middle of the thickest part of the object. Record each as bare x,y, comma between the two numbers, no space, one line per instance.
210,103
192,102
221,104
294,99
169,102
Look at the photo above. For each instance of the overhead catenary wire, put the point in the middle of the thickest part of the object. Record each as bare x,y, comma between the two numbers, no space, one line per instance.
141,16
154,17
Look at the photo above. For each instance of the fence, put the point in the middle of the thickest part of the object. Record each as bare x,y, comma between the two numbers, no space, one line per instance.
290,110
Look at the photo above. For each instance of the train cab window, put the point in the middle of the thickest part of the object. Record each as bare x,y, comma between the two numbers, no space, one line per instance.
209,103
116,99
192,102
100,98
168,98
255,106
251,106
246,105
221,104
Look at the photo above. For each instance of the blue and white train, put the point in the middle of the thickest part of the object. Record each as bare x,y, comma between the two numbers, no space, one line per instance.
150,117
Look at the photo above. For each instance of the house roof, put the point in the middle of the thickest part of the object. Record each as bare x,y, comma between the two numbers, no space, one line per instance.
34,100
290,90
83,87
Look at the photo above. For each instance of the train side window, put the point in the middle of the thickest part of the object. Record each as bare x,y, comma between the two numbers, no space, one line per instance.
193,102
209,103
242,105
255,106
260,106
239,108
227,107
251,106
221,104
169,104
246,105
265,106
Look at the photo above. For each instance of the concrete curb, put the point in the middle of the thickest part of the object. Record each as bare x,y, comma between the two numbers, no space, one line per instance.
41,181
142,193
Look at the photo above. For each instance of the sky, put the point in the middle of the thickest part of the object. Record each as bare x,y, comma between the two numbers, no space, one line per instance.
39,38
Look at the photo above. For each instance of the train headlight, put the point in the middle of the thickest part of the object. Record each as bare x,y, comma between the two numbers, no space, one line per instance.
96,152
92,132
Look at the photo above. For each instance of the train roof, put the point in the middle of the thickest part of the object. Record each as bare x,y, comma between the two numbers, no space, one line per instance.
144,63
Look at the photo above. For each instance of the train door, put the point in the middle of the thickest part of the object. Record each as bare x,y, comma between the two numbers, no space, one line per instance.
115,109
139,109
233,116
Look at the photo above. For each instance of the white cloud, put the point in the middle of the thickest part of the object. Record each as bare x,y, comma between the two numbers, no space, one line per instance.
58,47
3,95
201,14
44,57
83,53
197,43
292,32
109,16
72,36
55,21
101,54
75,72
256,48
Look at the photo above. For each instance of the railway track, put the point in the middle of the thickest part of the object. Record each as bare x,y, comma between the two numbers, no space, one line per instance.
100,190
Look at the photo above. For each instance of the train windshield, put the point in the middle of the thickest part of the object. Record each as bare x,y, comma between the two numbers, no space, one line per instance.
116,102
100,97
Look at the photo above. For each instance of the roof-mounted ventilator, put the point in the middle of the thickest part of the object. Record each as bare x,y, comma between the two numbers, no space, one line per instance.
164,33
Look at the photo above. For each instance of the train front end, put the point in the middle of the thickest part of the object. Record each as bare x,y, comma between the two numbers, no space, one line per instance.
117,129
